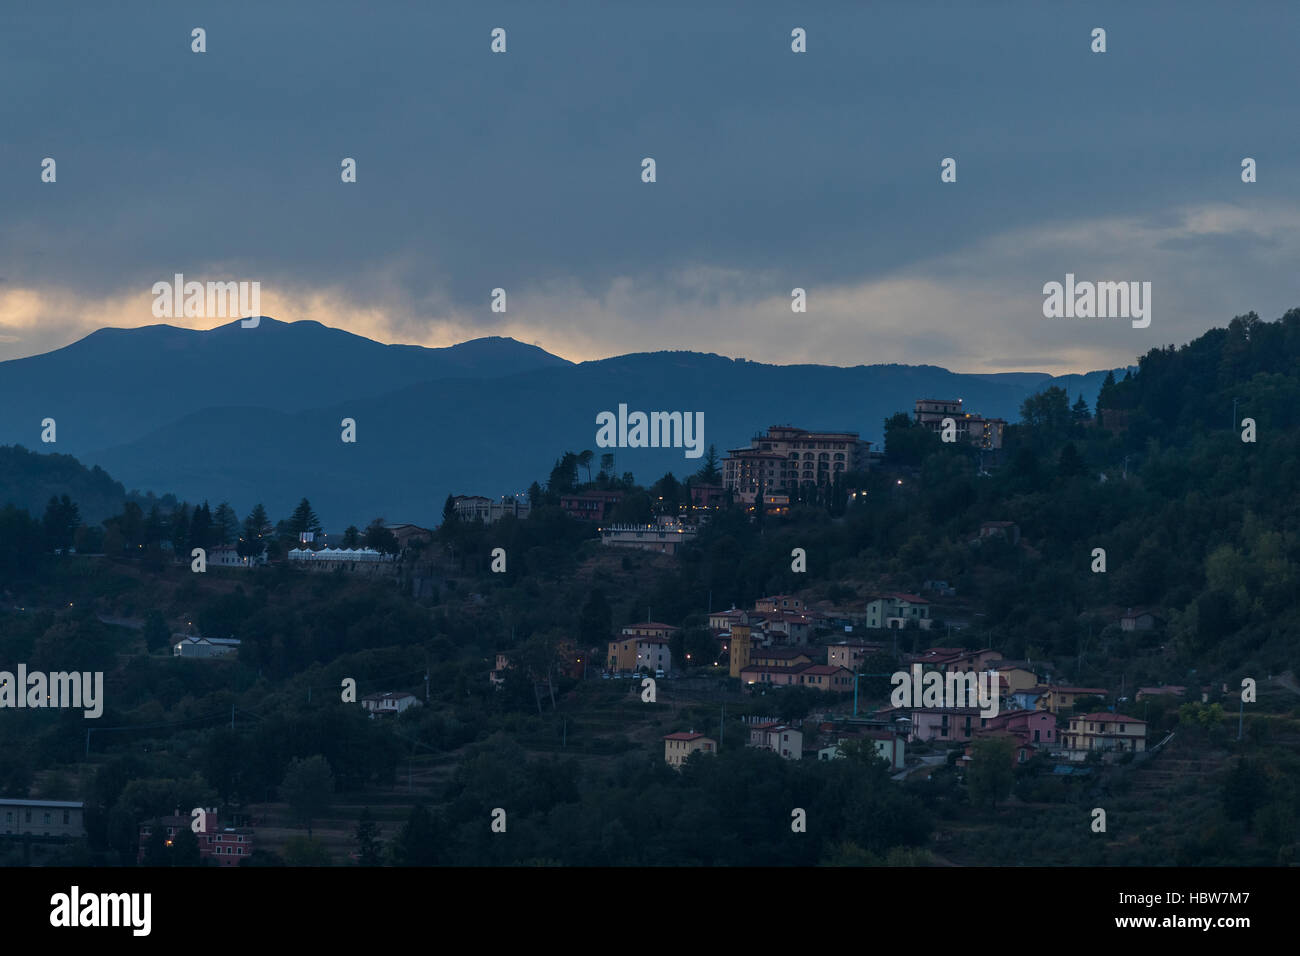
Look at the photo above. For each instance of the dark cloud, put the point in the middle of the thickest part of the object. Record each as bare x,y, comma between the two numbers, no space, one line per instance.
478,171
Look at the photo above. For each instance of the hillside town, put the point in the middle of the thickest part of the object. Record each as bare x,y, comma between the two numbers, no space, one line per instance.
896,668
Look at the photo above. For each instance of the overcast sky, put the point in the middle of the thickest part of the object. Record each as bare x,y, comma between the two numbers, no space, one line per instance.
523,171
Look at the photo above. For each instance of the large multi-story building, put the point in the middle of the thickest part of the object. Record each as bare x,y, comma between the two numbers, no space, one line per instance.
590,505
669,536
476,507
1104,732
222,846
789,457
639,648
971,428
850,654
43,818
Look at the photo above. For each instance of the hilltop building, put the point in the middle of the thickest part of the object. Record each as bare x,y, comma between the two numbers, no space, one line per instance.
972,429
786,457
476,507
669,536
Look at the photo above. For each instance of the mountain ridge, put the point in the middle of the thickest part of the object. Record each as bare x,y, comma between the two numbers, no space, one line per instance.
487,416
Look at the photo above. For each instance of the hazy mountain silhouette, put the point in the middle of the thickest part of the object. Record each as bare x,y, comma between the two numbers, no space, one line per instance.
229,415
118,385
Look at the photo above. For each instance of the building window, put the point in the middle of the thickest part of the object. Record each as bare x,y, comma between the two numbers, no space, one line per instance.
66,817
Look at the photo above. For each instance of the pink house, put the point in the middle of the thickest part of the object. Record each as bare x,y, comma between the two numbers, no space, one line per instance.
943,724
1036,727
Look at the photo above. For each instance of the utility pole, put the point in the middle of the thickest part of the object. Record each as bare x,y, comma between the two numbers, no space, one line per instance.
1234,413
232,716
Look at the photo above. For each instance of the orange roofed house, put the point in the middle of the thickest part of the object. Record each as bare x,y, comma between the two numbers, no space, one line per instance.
1059,698
679,746
1104,732
642,645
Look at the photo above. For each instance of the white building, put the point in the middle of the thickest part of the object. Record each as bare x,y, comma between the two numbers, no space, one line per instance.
778,738
887,746
667,537
388,703
654,654
338,554
190,645
42,818
896,610
225,556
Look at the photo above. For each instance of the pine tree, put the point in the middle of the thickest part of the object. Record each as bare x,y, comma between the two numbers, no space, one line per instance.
256,527
225,524
201,527
1105,396
709,473
61,521
1080,411
304,520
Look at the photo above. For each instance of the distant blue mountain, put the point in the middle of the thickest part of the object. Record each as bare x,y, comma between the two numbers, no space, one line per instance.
482,431
118,385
